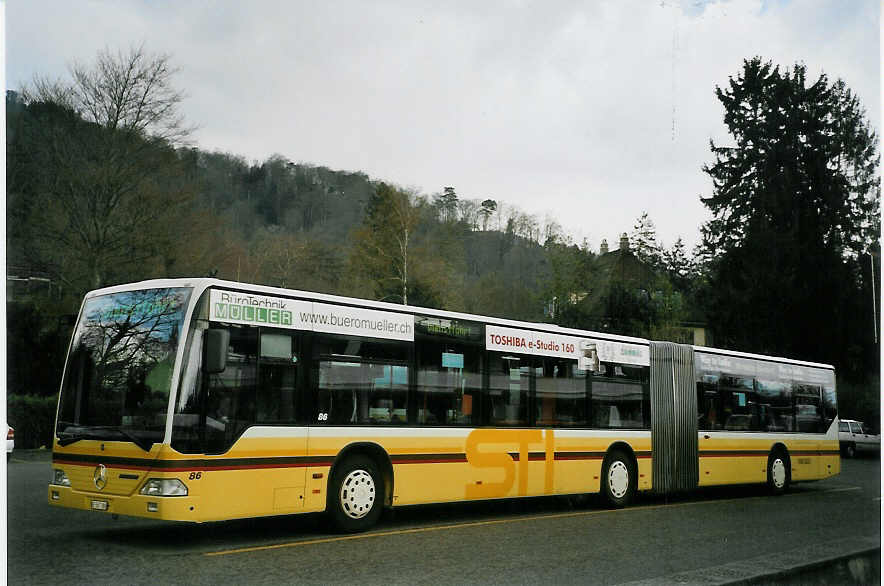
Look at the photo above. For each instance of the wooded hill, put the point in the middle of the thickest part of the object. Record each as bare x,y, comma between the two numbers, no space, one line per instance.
83,220
102,189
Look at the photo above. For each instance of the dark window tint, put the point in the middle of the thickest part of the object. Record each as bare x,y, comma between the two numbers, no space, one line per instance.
775,405
506,403
230,398
808,407
560,393
277,393
739,403
449,383
708,405
619,397
830,406
780,398
361,382
842,426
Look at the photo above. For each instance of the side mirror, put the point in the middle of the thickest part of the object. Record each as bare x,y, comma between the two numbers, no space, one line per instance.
215,351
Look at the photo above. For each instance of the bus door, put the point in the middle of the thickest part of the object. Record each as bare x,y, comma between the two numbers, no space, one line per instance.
673,418
256,435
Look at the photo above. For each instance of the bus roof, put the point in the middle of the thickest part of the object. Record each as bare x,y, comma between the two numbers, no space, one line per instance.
200,284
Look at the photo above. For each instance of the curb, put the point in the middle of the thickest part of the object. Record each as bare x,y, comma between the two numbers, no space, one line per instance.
812,567
767,569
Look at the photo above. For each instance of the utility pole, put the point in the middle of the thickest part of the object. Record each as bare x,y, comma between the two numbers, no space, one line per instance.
874,298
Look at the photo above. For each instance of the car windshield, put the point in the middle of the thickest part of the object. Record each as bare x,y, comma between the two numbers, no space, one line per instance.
119,370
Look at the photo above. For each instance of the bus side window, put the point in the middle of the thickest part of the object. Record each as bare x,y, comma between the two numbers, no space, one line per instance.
560,393
619,397
277,393
739,403
775,398
808,407
361,381
506,402
449,383
708,407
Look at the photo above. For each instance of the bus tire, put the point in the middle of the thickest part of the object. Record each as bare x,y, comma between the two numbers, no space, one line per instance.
356,494
778,473
619,479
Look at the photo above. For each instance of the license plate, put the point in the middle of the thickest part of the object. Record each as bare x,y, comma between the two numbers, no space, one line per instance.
99,505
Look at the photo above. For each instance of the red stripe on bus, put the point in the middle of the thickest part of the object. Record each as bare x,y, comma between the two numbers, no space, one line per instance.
735,454
579,456
431,460
241,467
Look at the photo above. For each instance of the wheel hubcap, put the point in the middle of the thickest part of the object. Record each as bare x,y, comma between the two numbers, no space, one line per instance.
618,479
778,473
357,494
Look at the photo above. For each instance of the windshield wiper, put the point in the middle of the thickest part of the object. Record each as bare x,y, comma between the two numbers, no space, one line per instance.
68,439
142,443
99,433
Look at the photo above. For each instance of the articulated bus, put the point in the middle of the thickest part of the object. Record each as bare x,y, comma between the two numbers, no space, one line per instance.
205,400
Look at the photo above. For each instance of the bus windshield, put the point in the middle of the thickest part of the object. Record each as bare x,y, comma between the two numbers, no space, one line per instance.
119,371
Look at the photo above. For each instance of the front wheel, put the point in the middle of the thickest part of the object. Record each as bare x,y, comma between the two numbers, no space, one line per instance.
778,475
618,479
356,495
850,451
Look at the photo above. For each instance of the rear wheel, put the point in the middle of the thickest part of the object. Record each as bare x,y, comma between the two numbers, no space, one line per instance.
618,479
778,474
355,496
850,451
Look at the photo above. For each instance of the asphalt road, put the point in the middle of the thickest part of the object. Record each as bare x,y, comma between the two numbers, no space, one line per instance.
707,536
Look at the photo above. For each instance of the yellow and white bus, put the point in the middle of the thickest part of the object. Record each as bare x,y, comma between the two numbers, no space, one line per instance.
203,400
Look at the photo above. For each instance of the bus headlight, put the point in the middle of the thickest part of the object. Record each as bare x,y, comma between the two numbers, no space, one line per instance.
164,487
59,478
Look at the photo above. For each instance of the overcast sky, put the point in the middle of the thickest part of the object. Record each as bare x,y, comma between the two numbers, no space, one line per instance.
589,112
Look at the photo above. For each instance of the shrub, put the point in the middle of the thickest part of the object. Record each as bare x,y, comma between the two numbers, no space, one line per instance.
33,418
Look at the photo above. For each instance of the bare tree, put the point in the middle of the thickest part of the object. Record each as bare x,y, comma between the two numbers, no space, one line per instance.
110,191
468,210
131,92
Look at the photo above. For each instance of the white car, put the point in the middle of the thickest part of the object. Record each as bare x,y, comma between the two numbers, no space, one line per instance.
10,442
853,438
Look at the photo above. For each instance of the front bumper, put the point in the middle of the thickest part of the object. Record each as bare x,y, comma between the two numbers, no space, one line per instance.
179,508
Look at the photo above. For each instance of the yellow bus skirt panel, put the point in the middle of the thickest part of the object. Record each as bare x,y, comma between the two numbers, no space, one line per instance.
444,465
725,459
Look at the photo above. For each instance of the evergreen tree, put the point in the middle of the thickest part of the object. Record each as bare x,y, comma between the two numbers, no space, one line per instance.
643,241
678,265
794,203
489,206
384,244
447,204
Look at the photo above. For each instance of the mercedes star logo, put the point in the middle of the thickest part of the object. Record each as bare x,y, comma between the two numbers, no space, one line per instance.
99,477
